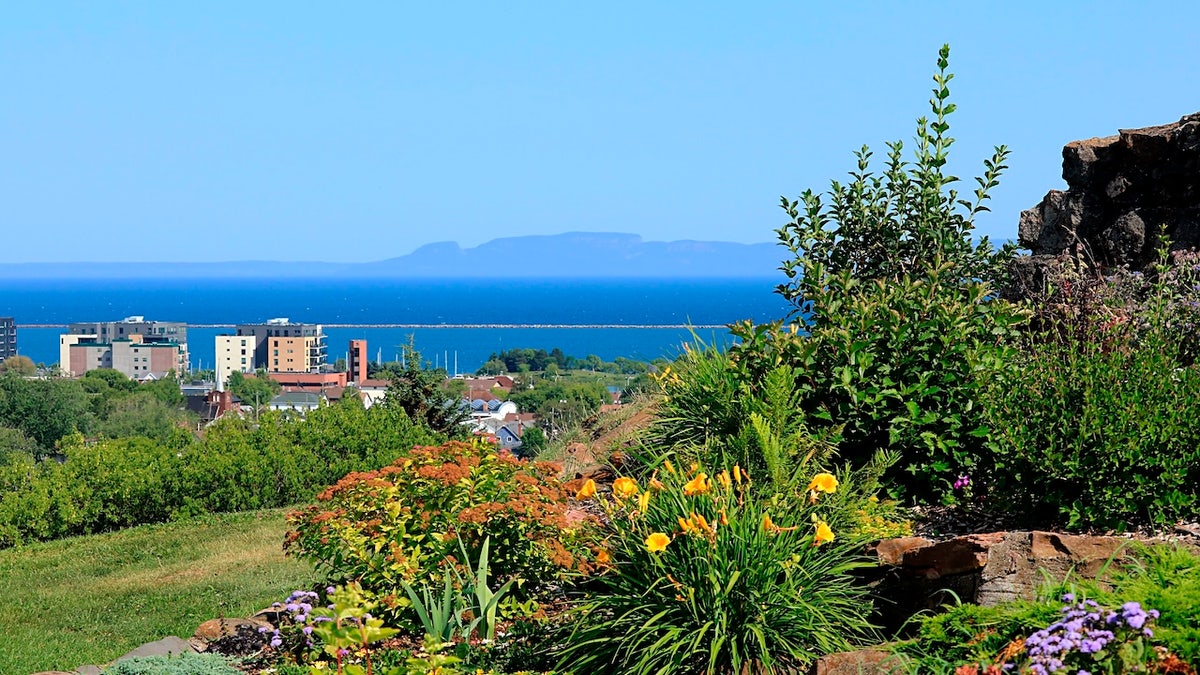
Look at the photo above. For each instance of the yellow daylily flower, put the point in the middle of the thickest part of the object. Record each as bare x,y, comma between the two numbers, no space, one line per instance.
603,557
823,533
697,486
723,479
657,542
588,490
643,502
685,526
624,487
824,482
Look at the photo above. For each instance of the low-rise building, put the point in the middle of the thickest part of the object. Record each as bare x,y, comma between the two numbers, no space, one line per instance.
298,401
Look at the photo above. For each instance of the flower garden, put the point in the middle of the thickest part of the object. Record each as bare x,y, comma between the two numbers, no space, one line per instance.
732,537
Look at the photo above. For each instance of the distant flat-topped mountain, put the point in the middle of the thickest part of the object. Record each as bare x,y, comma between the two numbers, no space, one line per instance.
573,254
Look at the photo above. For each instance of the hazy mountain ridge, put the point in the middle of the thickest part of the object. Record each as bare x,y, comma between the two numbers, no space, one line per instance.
572,254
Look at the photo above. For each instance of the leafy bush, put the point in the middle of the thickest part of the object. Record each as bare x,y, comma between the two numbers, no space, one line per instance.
187,663
1090,430
237,466
397,525
896,299
703,577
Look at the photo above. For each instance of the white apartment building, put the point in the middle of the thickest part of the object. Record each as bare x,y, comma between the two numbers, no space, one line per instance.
235,353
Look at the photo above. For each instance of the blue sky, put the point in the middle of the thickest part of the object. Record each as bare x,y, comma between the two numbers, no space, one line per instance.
200,131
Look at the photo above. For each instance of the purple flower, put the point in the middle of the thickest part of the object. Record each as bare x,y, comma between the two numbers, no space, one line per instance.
962,482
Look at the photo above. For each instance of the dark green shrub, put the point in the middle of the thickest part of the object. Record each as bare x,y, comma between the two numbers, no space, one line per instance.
896,301
1094,428
1096,434
112,483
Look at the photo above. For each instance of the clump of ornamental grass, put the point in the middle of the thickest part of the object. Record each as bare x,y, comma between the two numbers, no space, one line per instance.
702,576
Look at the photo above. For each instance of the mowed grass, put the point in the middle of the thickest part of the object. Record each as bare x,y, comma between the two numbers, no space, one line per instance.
91,599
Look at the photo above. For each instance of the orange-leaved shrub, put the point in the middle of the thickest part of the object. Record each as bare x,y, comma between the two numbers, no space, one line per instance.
401,523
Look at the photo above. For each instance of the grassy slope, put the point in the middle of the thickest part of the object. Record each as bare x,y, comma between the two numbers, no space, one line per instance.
91,599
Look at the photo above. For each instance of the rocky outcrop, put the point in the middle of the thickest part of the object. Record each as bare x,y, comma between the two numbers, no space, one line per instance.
916,574
1124,194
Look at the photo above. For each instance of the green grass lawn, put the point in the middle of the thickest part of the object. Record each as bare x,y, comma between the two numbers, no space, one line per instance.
91,599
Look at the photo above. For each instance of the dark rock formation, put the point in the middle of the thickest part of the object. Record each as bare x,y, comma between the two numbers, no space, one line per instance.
1124,194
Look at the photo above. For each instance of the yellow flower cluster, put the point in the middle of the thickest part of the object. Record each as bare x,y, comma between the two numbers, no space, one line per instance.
626,488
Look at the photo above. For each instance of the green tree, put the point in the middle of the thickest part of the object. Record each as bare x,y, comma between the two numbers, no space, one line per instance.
255,391
165,390
105,379
418,390
533,441
492,366
44,410
15,446
140,414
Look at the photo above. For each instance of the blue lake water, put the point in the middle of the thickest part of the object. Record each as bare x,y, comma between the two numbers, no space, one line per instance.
641,319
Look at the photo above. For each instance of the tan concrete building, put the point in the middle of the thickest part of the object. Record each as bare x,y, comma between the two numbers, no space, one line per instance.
295,354
265,356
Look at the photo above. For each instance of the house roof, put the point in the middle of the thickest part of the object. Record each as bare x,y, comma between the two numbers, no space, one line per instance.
297,399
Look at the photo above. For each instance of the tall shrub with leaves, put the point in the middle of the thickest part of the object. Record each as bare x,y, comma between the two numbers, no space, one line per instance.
897,299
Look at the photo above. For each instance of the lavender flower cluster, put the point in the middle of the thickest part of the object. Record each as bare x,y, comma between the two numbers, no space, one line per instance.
1085,629
299,606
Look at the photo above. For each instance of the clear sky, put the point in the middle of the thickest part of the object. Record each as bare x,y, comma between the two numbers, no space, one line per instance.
201,131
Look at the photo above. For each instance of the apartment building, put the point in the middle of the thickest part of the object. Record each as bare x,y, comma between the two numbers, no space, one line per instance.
282,346
130,355
235,354
138,348
8,337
